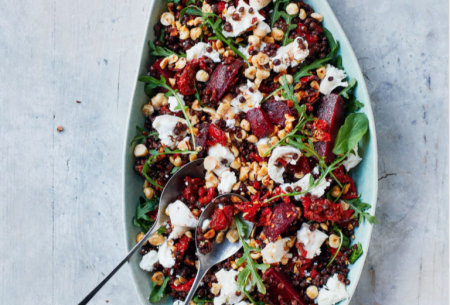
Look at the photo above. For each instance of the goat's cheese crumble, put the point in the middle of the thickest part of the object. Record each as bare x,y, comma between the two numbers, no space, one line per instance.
291,55
164,125
148,260
181,216
311,240
226,279
165,256
333,292
353,159
304,183
333,78
227,180
199,50
173,102
252,99
224,157
247,20
288,154
274,252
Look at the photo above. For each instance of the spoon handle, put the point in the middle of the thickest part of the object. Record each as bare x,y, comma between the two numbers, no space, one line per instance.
124,260
202,269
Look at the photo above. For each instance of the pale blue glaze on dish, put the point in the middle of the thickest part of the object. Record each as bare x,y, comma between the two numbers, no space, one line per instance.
365,174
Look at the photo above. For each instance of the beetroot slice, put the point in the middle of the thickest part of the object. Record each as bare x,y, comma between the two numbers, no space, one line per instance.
260,122
282,216
331,110
272,280
186,82
223,78
162,72
276,111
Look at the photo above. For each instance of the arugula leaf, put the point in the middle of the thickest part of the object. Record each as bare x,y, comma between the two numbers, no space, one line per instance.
158,291
276,14
288,18
251,299
353,105
356,254
338,63
141,138
334,44
161,37
351,85
142,219
161,230
154,83
251,267
174,170
354,128
360,208
288,92
197,300
336,229
161,51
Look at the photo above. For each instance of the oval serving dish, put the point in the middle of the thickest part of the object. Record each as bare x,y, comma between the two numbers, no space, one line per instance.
365,175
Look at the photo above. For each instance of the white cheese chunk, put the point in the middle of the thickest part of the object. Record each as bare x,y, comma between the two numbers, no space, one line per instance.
311,240
291,55
173,102
226,279
246,21
227,180
252,99
333,292
178,232
205,224
180,215
224,157
199,50
165,255
353,159
263,26
333,78
274,252
230,123
304,183
148,260
259,4
288,154
164,125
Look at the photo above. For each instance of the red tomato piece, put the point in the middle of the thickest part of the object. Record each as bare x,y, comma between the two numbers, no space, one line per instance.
184,287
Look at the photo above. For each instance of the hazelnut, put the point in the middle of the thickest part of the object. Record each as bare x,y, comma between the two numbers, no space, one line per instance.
167,19
210,163
210,234
252,139
159,101
302,14
277,34
317,16
292,9
206,8
140,236
195,33
202,76
250,72
164,63
215,289
312,292
262,74
245,125
149,193
181,63
156,240
334,240
232,236
184,33
219,237
254,40
321,72
140,151
260,33
335,191
158,278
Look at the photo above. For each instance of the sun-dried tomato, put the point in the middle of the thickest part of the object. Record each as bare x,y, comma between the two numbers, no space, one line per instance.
264,219
321,209
222,218
221,6
186,81
306,265
249,209
255,157
184,287
345,179
322,136
314,273
306,79
333,252
192,188
320,125
209,196
279,191
216,135
182,244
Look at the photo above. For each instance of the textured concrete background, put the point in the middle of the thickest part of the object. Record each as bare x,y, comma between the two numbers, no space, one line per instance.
60,214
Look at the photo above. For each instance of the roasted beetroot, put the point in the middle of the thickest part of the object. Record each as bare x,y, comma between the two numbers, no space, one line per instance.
276,111
162,72
186,82
260,122
279,285
223,79
331,110
282,216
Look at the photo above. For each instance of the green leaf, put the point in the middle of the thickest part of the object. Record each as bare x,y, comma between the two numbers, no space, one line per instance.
360,208
141,138
276,14
356,254
336,229
161,230
353,105
158,291
174,170
338,63
197,300
354,128
346,91
334,44
161,37
161,51
142,220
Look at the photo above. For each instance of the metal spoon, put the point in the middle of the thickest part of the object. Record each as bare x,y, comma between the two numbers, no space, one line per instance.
169,194
219,252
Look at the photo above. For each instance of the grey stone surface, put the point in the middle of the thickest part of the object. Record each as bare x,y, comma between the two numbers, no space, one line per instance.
60,213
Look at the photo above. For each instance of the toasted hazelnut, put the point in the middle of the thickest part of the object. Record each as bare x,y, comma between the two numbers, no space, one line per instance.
158,278
210,234
346,188
164,63
317,16
159,100
215,289
219,44
195,33
291,242
211,180
274,140
260,59
140,151
324,226
235,151
245,125
243,175
321,72
232,236
173,58
277,34
236,164
312,292
202,76
335,191
227,99
302,14
149,193
140,236
184,33
198,21
156,240
260,33
147,110
262,74
167,211
252,139
219,237
255,255
250,72
334,240
254,40
181,63
292,9
269,39
210,163
206,8
167,19
229,53
289,79
315,85
345,205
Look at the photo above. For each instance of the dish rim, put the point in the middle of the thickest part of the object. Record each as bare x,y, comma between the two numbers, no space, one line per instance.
368,110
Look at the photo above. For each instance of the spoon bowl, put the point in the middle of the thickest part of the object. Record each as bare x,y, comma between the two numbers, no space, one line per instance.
219,251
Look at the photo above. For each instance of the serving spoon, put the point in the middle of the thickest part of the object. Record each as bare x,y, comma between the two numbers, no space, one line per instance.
170,193
219,252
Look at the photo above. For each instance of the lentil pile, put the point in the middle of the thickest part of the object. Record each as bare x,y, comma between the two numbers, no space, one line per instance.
255,87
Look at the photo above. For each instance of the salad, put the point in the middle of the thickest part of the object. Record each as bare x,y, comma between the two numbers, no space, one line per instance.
255,87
